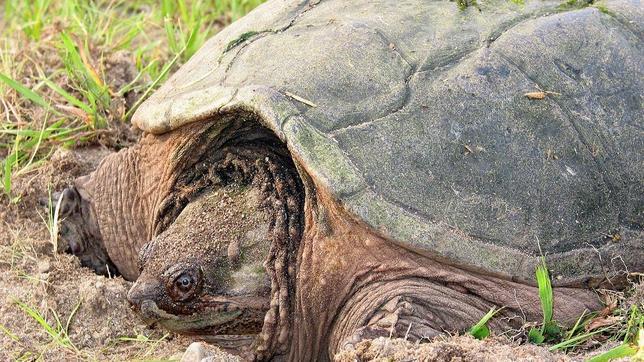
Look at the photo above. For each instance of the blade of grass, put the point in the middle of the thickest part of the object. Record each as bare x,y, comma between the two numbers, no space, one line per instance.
9,334
574,328
38,142
58,333
573,341
621,351
71,315
152,86
70,98
7,166
480,330
545,292
24,91
35,315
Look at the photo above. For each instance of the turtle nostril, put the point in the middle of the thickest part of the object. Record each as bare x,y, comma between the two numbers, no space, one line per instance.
134,295
142,291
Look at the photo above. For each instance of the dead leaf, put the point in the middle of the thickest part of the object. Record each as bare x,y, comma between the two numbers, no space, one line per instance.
301,99
75,112
540,94
536,95
599,322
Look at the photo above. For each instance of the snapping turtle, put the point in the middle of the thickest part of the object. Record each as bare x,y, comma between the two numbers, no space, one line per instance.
399,168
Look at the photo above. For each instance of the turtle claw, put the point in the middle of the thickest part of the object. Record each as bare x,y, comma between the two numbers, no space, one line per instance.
78,234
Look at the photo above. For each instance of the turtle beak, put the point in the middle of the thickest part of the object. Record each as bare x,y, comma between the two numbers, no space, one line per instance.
142,294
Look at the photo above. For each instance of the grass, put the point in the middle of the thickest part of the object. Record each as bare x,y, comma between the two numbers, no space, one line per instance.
549,329
480,330
57,331
621,321
58,86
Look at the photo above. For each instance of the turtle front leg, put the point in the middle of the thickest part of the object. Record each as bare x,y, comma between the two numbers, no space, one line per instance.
393,320
427,302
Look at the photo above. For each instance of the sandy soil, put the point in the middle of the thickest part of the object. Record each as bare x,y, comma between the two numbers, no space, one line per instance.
454,348
90,316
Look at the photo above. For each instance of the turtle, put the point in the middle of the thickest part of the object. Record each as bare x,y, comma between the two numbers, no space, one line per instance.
321,172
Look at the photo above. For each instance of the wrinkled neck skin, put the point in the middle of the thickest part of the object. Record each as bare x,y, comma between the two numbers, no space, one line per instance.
353,284
129,190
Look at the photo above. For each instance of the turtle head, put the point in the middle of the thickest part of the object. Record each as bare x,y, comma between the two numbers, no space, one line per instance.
78,231
204,274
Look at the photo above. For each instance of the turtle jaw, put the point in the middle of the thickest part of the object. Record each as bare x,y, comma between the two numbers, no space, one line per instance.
199,323
208,315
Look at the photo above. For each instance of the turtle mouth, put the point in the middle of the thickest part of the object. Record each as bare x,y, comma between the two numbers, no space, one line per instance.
195,323
213,317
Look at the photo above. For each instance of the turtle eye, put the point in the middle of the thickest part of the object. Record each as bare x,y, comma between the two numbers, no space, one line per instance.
184,285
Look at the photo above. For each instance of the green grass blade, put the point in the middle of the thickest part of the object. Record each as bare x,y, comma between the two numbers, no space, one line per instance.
480,330
621,351
90,86
9,334
192,45
574,328
152,86
535,336
24,91
545,292
572,341
6,174
72,314
70,98
35,315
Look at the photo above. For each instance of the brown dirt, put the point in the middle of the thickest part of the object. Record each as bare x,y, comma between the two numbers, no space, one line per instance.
454,348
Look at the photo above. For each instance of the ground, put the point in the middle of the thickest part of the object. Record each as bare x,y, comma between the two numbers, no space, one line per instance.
71,73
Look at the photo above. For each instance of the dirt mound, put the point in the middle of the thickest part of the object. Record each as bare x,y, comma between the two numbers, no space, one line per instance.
455,348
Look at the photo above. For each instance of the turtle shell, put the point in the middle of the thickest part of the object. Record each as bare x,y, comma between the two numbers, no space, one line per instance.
484,137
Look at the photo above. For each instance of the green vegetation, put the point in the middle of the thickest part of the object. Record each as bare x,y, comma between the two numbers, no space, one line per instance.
242,38
621,351
549,330
480,330
622,321
464,4
149,345
72,72
58,332
575,4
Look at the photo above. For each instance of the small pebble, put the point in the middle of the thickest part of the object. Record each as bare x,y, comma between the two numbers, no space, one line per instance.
44,266
195,353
